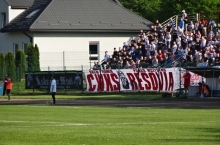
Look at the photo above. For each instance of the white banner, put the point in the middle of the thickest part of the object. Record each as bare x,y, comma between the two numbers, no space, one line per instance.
149,79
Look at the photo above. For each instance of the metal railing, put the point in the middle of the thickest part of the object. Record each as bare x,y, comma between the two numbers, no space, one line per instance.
176,19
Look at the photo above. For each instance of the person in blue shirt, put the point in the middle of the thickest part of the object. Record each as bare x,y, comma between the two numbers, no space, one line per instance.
181,24
172,23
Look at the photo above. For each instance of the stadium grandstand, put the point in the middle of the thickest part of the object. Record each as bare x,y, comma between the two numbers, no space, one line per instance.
182,41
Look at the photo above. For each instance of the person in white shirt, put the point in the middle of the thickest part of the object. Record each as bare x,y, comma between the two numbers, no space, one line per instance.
53,89
168,39
174,48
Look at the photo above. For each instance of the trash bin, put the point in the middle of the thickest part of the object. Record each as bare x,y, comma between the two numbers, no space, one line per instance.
1,91
1,88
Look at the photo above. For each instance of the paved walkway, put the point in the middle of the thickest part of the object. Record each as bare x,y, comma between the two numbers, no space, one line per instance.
187,104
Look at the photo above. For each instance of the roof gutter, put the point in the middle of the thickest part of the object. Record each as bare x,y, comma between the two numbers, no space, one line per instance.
31,38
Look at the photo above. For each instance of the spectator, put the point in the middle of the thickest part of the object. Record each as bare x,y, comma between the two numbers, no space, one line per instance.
155,61
181,24
172,24
8,84
205,90
127,66
187,77
133,65
95,66
104,61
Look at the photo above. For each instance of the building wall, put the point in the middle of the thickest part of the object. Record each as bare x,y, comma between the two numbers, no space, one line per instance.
7,41
14,13
4,8
72,49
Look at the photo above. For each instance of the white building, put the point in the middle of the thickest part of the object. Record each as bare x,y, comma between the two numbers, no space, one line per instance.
67,31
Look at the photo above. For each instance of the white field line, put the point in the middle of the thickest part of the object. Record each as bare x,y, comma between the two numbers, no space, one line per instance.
48,106
108,124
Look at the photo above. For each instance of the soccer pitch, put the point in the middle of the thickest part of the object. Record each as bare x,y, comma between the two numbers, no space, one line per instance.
51,125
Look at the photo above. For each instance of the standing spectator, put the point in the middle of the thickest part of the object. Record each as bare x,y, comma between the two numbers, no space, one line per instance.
184,17
186,77
106,56
181,24
8,87
157,23
168,39
191,26
172,24
174,34
53,89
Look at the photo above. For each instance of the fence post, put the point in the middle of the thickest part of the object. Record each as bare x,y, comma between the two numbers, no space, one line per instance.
63,60
176,21
33,77
90,59
65,83
82,79
138,79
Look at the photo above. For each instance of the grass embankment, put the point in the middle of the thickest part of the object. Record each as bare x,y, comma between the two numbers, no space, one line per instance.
51,125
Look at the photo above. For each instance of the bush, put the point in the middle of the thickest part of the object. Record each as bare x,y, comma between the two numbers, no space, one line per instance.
37,58
2,66
10,65
20,61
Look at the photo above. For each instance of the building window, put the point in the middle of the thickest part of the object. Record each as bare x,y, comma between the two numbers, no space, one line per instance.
25,48
16,48
93,50
3,23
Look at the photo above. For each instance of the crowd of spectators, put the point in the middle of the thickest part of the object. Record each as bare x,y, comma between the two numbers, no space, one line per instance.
194,42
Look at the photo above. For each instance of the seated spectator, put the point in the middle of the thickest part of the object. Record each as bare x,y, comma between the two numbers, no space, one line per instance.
205,90
95,66
107,66
133,65
127,65
155,61
125,46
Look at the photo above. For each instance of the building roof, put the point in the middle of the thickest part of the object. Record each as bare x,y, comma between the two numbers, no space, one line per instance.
207,72
20,3
78,15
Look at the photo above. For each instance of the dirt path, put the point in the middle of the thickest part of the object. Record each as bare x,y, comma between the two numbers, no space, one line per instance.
187,104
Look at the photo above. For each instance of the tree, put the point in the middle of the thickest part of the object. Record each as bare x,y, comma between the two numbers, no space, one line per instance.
37,58
31,58
20,61
2,66
163,10
145,8
10,65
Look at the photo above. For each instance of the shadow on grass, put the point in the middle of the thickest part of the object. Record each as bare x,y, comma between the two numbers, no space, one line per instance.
210,135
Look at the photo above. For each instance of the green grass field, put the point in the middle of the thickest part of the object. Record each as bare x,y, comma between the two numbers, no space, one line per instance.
35,124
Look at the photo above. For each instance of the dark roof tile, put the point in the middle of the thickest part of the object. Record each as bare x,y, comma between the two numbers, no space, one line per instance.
79,15
20,3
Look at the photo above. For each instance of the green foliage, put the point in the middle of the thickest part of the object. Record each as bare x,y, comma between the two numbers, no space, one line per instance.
20,61
37,58
10,65
162,10
30,58
33,58
2,66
